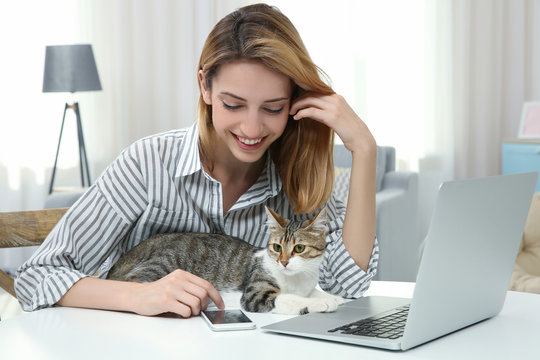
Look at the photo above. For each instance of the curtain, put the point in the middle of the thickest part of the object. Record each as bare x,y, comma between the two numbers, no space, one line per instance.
482,63
147,54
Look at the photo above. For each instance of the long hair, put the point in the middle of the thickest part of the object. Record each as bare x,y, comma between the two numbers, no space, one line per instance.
304,153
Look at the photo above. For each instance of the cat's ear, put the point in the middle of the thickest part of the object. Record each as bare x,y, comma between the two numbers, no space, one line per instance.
318,222
274,220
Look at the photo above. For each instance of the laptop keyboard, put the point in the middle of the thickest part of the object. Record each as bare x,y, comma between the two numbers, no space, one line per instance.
388,325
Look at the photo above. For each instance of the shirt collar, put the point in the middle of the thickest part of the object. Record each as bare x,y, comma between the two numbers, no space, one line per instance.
189,161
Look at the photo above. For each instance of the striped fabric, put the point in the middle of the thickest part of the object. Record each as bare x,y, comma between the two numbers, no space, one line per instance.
158,185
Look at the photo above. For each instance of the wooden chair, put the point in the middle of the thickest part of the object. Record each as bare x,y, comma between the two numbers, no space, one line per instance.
25,228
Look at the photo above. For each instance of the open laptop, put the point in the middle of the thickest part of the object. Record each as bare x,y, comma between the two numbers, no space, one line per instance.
469,253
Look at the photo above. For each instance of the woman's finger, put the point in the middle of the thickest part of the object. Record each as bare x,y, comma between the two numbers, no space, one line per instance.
209,288
179,308
191,301
303,103
312,113
199,292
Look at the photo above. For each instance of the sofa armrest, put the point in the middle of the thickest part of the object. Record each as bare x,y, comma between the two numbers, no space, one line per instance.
400,180
396,227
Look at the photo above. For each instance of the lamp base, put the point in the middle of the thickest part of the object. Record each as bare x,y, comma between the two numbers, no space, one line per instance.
83,160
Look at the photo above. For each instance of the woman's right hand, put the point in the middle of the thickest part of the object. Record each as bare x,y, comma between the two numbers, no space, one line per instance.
179,292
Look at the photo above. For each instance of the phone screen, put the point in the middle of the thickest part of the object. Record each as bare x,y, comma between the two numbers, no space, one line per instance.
218,317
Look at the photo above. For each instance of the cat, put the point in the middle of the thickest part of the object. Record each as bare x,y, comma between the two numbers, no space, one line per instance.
280,278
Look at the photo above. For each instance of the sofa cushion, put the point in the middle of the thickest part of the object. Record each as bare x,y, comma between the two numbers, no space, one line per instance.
343,175
341,183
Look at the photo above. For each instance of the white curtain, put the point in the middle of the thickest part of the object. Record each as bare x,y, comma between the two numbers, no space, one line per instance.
146,53
482,63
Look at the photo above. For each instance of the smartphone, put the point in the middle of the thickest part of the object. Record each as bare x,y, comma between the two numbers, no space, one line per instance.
224,320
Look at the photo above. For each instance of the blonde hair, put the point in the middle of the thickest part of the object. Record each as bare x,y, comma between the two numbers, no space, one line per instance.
304,153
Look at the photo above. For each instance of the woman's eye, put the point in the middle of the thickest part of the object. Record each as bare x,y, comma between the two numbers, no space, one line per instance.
230,107
299,248
277,247
273,111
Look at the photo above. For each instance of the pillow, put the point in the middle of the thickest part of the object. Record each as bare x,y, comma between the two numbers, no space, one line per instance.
526,275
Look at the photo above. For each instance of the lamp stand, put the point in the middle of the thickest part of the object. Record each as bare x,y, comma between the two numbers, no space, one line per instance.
83,160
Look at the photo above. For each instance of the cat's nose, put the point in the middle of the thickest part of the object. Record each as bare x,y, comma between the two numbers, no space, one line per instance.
284,262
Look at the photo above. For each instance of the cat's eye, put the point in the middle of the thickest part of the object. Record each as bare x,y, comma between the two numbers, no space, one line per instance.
277,247
299,248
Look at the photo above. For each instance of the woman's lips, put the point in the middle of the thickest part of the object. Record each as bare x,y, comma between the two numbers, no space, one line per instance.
249,144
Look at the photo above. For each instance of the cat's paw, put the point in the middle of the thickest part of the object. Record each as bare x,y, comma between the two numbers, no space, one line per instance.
297,305
329,303
333,301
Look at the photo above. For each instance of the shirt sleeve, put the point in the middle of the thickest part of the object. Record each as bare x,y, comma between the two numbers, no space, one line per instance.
338,273
84,238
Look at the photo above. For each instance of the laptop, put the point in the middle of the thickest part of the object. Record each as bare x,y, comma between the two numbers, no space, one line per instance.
464,274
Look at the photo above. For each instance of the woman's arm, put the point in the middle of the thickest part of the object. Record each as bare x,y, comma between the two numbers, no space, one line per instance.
93,230
179,292
359,225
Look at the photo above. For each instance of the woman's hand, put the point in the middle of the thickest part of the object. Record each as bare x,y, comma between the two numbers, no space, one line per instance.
179,292
335,112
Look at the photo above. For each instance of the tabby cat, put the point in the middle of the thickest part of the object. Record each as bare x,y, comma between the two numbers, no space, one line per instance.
280,278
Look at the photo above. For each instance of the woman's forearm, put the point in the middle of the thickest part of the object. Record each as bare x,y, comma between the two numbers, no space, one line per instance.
359,225
103,294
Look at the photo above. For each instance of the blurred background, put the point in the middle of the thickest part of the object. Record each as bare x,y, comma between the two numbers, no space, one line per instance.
442,81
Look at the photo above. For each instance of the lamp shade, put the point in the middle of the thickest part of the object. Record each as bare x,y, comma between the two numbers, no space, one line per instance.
70,68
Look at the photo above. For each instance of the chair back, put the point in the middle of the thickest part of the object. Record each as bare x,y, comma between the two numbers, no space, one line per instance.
25,228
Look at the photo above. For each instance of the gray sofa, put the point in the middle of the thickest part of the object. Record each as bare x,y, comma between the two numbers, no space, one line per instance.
397,209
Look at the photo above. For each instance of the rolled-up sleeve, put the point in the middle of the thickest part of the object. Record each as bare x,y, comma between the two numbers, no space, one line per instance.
338,273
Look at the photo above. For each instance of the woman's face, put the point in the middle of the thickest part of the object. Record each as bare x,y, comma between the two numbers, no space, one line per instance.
250,107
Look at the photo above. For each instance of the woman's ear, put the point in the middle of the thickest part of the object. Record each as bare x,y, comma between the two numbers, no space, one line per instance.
205,92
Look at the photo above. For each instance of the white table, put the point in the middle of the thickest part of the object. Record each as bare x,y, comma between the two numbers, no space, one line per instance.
67,333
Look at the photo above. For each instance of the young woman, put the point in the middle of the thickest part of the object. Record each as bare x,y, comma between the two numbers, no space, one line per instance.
264,136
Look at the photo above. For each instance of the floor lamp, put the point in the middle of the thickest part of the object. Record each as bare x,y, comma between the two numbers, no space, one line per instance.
71,68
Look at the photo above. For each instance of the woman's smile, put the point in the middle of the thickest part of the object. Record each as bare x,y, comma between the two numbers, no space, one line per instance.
249,144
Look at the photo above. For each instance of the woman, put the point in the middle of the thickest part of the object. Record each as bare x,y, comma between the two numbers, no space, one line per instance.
264,136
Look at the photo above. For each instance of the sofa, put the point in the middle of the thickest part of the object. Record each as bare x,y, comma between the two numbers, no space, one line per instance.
526,274
396,212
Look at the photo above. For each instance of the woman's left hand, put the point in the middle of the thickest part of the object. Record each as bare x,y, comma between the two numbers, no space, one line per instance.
334,111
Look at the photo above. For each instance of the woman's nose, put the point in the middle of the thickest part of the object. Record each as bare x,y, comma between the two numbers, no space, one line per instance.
252,125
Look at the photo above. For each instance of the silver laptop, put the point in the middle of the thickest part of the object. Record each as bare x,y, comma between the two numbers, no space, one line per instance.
463,277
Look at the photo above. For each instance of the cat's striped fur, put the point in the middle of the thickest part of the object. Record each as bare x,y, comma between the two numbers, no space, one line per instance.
281,277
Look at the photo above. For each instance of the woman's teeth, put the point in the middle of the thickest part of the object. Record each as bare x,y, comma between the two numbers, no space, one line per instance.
249,141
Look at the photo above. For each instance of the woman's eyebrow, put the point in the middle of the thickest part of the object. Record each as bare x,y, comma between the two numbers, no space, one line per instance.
242,99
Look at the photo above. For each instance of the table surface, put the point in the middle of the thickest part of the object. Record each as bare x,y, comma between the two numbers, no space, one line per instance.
64,333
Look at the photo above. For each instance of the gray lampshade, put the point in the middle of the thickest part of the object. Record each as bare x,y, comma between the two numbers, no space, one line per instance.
70,68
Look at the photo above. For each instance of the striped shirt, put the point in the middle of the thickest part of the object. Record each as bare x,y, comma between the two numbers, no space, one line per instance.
158,185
